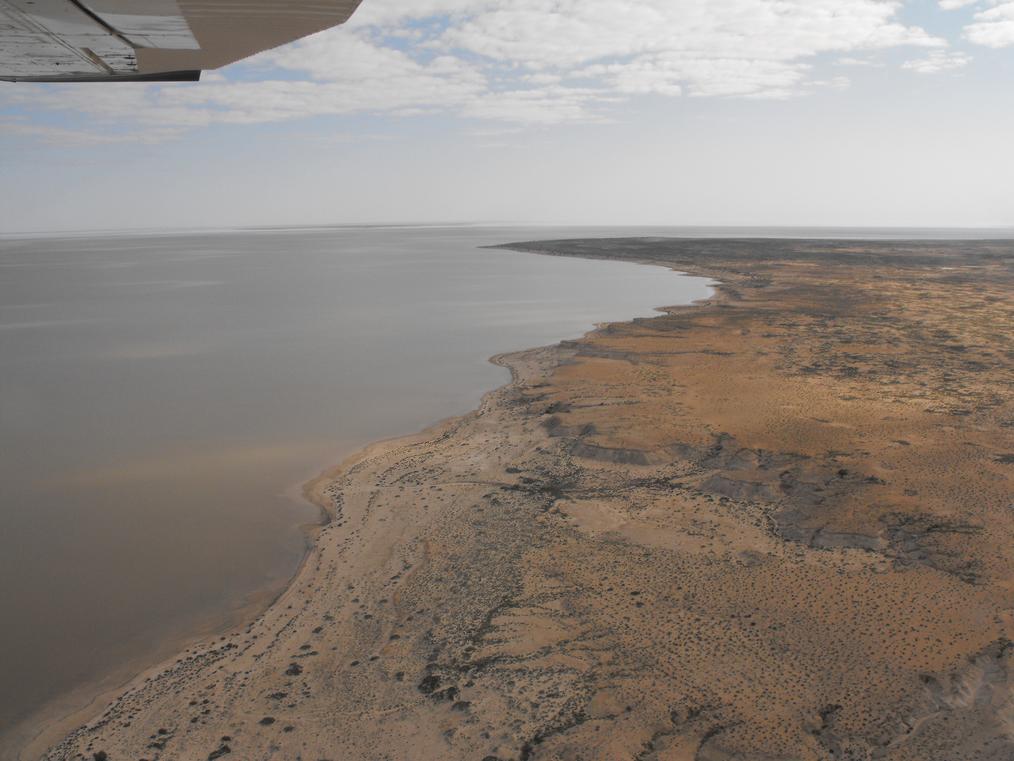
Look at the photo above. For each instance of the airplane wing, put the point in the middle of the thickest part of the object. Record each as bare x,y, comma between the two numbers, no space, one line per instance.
149,40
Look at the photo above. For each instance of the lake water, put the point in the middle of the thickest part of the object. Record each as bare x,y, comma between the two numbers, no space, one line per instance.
163,396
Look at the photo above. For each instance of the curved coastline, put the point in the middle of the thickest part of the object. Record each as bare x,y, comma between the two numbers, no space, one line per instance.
720,532
61,720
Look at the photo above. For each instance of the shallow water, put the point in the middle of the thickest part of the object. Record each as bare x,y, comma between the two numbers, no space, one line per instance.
162,396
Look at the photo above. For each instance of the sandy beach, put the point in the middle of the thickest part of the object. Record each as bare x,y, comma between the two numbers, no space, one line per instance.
774,525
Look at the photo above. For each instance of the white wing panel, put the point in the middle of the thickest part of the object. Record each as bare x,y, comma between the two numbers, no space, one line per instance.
155,40
56,38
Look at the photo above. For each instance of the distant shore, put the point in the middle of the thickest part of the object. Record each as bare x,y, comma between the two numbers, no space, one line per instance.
713,533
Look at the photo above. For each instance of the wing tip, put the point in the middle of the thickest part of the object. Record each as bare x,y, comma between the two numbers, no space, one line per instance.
188,75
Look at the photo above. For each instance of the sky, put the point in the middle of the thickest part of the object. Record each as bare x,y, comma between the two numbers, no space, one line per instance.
640,112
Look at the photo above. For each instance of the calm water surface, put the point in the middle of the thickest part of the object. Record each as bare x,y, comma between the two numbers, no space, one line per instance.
162,396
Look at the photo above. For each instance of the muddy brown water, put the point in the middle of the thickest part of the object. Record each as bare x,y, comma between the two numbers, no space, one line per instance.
163,396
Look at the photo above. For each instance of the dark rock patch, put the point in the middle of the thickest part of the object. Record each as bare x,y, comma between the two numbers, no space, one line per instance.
618,456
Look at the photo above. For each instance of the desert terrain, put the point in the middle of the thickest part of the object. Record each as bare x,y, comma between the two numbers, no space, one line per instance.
775,525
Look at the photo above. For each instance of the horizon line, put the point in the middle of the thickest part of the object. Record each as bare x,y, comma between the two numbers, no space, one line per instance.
1008,229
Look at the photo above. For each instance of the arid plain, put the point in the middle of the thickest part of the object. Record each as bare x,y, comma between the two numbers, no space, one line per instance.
776,525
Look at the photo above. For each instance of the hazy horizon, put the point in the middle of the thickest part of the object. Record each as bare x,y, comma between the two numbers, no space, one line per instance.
758,231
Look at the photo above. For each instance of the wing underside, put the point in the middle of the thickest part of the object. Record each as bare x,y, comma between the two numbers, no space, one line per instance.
149,40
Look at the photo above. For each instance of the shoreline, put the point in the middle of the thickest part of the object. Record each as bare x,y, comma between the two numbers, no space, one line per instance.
387,547
69,710
62,719
312,491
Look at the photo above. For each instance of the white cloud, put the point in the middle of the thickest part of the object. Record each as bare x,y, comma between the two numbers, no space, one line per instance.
672,74
75,138
993,27
548,105
566,33
522,61
717,48
854,61
937,61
